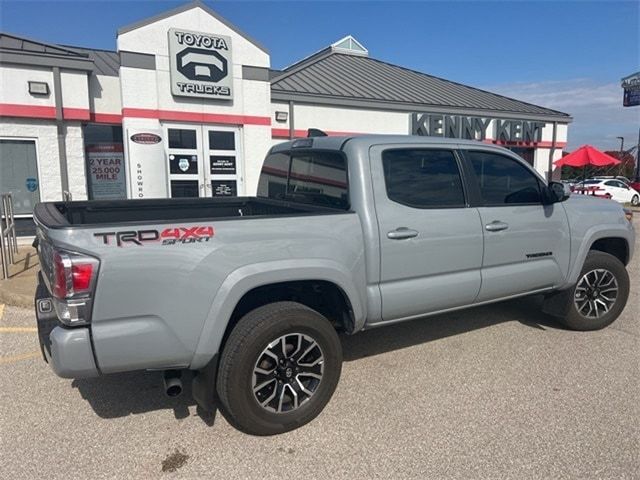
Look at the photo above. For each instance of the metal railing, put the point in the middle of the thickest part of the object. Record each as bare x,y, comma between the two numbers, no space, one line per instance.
8,239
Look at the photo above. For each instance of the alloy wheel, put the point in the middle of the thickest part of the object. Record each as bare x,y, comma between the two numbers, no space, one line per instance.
288,372
596,293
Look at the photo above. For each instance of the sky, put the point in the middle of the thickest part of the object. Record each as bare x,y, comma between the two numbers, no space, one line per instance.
565,55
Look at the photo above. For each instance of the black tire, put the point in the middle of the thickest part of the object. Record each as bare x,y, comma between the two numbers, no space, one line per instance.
635,200
245,345
599,260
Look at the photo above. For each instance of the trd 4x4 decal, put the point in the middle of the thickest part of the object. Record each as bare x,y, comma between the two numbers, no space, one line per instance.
168,236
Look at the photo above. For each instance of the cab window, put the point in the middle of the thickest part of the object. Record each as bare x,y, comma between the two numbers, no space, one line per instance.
312,177
503,180
423,178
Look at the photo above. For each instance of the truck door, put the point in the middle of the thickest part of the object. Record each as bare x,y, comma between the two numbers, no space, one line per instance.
526,243
430,239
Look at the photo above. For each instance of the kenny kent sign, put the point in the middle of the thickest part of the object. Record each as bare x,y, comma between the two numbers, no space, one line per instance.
200,64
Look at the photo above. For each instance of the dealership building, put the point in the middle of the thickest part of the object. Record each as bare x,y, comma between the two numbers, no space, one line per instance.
188,105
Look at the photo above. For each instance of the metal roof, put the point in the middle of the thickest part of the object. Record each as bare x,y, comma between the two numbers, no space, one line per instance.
360,80
15,43
107,62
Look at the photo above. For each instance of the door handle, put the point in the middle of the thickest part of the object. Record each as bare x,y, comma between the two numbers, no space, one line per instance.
401,233
496,226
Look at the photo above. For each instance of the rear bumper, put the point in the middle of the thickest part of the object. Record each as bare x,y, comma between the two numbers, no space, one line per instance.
67,350
70,355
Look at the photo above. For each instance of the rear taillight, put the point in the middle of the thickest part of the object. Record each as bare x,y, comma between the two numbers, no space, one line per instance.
73,275
72,280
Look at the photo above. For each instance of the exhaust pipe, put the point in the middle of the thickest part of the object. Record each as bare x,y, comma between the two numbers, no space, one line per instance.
172,383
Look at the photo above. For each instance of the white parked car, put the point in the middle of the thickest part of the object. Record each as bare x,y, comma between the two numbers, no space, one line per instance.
612,188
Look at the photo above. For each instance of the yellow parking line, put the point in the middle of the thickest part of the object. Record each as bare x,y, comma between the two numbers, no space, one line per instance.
18,329
17,358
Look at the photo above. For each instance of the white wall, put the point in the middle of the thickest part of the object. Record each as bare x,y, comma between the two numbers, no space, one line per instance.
75,89
75,161
14,87
105,94
350,120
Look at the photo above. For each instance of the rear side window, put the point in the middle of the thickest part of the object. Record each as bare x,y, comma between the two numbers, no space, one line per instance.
423,178
316,178
504,180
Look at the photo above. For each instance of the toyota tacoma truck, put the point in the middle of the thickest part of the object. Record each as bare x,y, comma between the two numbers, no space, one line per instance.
345,234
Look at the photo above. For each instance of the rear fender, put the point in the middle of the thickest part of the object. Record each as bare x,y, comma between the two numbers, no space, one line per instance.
248,277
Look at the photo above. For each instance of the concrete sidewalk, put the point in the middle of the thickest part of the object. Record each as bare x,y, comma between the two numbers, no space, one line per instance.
20,287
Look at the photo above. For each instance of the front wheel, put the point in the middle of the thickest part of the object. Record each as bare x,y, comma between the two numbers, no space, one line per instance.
635,201
600,294
278,369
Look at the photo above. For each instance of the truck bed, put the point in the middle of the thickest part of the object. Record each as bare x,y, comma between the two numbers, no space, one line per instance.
120,212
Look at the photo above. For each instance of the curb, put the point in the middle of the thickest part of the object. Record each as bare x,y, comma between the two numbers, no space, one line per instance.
15,299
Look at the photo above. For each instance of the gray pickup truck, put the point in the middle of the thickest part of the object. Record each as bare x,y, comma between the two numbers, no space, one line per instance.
345,234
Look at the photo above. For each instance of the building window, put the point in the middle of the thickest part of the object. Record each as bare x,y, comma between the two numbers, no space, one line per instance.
104,162
19,174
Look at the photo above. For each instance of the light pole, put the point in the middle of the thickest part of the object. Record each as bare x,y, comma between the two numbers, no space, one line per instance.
638,158
621,155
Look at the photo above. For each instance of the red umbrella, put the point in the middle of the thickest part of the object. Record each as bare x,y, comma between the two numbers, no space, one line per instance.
587,155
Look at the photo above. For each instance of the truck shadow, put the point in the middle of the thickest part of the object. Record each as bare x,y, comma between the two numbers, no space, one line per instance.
120,395
527,311
124,394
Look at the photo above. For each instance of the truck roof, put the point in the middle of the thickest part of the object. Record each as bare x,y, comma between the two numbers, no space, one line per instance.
336,143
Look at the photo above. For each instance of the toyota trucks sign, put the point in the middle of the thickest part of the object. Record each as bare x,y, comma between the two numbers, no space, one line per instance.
200,65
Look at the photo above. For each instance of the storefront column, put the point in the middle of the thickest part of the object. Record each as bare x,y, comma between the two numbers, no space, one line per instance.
552,151
62,132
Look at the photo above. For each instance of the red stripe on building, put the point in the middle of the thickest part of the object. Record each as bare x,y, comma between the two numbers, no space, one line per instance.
28,111
544,144
75,113
195,117
114,118
42,112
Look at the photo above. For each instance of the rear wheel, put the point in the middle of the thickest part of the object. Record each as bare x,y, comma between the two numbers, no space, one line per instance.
279,368
600,294
635,201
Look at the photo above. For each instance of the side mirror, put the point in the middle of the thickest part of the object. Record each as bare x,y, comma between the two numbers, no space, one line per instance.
557,192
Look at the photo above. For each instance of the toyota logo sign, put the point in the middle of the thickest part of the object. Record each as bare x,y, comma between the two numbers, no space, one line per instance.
200,64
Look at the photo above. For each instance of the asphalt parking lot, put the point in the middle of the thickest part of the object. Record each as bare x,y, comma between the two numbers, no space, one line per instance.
494,392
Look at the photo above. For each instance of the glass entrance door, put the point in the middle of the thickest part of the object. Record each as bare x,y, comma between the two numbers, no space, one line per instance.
223,161
204,161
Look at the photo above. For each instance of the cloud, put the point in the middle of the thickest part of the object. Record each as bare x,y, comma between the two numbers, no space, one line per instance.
596,108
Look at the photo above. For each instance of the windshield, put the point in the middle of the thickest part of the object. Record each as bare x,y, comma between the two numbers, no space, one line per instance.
316,178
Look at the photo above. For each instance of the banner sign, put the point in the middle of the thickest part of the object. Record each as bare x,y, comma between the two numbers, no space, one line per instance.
631,86
200,64
105,163
476,128
146,164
